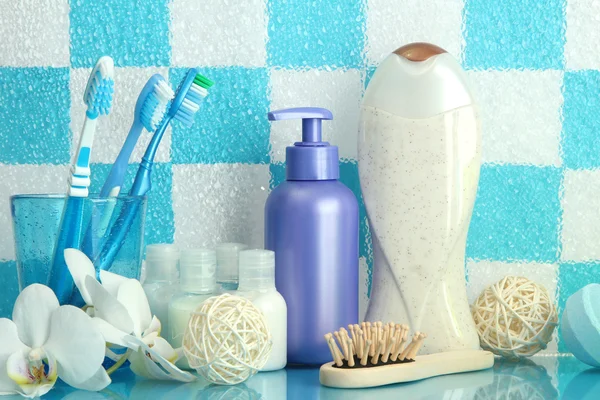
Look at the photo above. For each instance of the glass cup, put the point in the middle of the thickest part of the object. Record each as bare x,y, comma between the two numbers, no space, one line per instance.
37,220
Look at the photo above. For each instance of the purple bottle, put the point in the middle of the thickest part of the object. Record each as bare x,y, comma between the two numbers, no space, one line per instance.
311,223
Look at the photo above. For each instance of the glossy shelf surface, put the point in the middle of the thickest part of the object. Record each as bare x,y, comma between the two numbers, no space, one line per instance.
542,377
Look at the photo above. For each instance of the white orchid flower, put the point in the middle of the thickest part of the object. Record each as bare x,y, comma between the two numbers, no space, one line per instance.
45,341
120,310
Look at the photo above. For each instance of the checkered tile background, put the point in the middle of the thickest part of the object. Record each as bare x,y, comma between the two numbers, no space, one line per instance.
534,65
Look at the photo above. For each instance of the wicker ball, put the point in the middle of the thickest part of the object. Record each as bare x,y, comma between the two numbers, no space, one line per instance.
515,317
227,340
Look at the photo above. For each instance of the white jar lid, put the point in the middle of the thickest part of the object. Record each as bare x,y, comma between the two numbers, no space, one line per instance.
162,262
257,270
198,270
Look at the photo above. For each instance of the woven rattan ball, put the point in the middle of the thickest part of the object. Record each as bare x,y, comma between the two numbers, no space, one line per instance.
227,340
515,317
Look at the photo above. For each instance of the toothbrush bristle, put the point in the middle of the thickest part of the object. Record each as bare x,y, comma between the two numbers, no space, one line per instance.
193,98
377,346
155,105
98,95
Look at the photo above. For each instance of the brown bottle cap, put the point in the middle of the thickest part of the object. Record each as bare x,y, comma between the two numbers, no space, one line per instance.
419,51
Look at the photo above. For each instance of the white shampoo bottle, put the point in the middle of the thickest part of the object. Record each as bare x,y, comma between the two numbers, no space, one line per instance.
419,159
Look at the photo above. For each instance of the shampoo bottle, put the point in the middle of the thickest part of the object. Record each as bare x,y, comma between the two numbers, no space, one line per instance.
311,223
257,283
419,158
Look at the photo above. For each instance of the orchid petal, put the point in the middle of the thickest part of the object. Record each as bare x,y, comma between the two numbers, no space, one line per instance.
97,382
76,344
146,356
111,334
143,366
112,281
155,326
9,340
165,350
149,338
32,313
80,267
107,307
31,380
132,296
9,344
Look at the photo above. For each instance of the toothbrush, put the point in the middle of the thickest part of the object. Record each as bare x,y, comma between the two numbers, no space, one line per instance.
190,94
150,109
98,97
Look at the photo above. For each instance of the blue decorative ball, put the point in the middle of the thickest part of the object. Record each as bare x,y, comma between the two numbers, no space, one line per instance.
580,324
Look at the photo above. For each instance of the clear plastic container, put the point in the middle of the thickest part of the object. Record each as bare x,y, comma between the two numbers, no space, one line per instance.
228,266
162,280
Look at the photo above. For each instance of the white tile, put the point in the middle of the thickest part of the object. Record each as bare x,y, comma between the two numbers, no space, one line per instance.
112,129
394,23
219,203
520,115
339,91
581,219
25,179
217,33
34,33
582,34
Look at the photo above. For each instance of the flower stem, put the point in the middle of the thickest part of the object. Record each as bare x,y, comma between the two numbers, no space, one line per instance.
120,362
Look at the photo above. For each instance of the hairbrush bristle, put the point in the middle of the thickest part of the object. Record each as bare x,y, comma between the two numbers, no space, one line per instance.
373,344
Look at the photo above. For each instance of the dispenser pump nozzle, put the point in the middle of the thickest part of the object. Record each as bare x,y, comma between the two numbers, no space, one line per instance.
311,159
311,120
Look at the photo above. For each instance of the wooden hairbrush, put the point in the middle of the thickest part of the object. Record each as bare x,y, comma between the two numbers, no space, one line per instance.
376,354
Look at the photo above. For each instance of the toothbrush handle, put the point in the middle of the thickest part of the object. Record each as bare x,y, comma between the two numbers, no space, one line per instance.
117,172
141,186
155,141
101,215
61,281
120,229
80,171
69,234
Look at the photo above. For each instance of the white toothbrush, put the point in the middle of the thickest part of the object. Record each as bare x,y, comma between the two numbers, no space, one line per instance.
98,97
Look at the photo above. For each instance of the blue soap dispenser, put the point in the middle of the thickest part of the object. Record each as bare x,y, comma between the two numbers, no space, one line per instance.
311,223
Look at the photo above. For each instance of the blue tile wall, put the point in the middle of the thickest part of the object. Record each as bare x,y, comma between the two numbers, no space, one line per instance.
316,33
134,33
34,115
516,214
514,34
233,127
581,142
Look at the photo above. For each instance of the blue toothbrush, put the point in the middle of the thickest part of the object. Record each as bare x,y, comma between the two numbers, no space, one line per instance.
150,109
189,96
98,97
